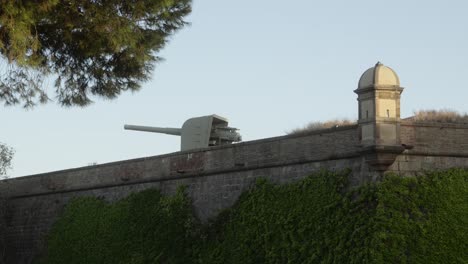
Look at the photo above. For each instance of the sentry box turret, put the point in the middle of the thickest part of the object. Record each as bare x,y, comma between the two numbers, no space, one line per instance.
198,132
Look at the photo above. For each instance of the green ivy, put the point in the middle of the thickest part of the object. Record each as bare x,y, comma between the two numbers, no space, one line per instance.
316,220
422,219
145,227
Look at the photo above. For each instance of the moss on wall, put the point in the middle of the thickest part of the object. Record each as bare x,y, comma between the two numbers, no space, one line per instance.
316,220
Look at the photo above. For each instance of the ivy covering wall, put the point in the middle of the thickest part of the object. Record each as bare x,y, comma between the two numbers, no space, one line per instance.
316,220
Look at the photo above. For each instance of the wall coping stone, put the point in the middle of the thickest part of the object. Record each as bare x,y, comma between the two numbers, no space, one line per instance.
87,176
433,124
245,143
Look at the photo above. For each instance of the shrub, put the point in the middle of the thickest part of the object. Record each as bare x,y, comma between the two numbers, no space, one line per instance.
313,126
443,116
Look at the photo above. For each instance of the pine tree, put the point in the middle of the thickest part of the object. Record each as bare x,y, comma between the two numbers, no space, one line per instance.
89,47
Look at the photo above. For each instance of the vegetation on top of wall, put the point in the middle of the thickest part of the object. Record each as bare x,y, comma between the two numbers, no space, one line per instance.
312,126
316,220
439,116
442,116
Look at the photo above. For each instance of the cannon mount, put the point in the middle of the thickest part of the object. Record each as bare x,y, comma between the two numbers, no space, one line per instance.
198,132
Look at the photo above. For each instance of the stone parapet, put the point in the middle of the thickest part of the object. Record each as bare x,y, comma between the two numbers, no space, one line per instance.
273,152
216,177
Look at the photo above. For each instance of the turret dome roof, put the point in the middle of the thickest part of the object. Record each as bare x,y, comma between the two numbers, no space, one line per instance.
379,75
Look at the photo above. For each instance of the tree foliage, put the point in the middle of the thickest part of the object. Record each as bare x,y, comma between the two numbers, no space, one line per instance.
89,47
6,155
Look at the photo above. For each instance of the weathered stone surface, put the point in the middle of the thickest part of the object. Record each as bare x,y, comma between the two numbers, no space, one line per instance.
216,177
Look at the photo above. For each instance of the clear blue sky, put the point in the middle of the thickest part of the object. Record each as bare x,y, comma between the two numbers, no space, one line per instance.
268,66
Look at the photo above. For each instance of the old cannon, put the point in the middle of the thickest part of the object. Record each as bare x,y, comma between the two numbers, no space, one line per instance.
198,132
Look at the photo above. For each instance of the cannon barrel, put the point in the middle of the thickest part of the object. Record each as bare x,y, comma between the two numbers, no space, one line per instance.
164,130
198,132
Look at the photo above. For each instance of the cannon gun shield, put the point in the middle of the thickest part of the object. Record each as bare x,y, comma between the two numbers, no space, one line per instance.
198,132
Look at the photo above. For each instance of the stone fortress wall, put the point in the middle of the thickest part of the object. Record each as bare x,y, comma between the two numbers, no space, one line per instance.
215,177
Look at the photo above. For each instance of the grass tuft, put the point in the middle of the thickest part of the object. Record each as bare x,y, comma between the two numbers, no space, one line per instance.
313,126
441,116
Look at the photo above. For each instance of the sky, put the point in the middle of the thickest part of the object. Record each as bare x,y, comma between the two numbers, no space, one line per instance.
269,66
